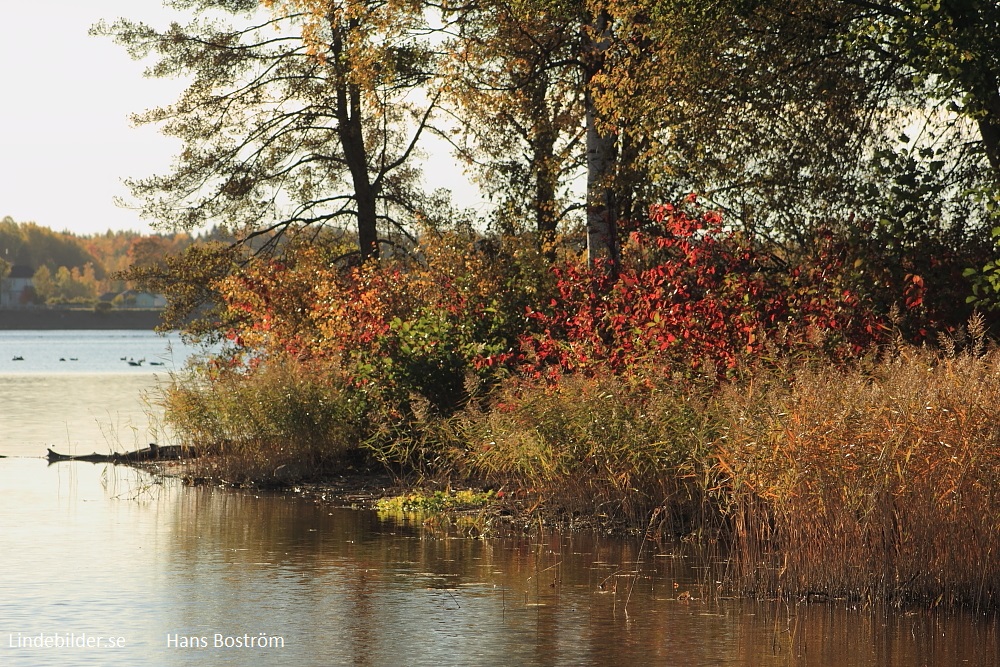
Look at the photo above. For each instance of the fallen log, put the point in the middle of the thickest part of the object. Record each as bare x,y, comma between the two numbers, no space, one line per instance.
152,453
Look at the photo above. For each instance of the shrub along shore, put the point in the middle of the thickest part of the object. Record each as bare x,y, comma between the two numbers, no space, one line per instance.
878,483
700,393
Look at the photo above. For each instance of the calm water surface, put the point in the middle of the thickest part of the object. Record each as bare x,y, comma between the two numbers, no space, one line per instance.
97,551
58,352
72,390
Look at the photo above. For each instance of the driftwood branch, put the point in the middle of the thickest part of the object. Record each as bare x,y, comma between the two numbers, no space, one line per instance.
152,453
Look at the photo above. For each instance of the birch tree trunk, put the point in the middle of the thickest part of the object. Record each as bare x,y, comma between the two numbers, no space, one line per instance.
602,241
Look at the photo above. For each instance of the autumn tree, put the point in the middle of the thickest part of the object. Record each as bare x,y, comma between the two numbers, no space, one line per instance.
786,115
866,120
45,286
527,103
512,85
295,116
791,115
74,285
34,245
147,251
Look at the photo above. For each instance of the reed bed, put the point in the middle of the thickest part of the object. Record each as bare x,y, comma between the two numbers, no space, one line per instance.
608,446
877,485
253,423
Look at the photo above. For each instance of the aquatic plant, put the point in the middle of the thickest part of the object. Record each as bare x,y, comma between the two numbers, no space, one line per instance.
437,501
251,422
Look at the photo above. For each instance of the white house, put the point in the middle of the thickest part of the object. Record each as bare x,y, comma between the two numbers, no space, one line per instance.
17,290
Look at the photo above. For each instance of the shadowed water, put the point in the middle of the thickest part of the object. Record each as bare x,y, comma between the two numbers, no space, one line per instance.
97,551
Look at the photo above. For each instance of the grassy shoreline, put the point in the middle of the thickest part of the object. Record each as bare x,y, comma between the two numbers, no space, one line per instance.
876,483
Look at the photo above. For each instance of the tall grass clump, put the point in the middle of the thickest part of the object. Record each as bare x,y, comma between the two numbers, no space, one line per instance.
879,484
255,420
605,445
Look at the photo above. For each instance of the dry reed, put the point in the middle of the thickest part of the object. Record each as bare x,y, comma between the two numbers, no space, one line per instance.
609,446
282,414
879,485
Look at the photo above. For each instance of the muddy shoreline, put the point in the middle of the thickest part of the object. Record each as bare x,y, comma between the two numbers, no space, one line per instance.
364,489
355,489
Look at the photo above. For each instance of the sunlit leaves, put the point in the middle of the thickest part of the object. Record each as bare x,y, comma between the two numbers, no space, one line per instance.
695,298
421,325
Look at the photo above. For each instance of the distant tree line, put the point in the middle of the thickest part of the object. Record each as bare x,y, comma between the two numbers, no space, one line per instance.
71,268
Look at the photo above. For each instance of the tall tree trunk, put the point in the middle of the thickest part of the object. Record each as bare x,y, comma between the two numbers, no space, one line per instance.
543,143
352,142
602,216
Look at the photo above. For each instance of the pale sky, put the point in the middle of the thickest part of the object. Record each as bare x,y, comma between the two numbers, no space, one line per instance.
66,143
65,140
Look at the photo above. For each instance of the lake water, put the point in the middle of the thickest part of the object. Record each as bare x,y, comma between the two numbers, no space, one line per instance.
59,352
160,574
75,391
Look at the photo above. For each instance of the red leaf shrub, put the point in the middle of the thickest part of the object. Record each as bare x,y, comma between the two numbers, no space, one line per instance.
690,298
694,297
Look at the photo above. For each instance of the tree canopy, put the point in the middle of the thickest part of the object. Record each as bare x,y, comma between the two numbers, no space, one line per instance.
792,117
293,118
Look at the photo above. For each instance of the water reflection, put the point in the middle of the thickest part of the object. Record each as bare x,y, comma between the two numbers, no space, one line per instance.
98,549
110,551
78,413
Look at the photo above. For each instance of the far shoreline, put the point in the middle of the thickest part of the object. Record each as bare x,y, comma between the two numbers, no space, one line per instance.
28,319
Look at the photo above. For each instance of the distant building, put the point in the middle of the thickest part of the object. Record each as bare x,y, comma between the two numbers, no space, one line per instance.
17,290
140,300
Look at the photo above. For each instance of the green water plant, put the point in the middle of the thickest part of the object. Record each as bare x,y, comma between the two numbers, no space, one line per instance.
446,500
